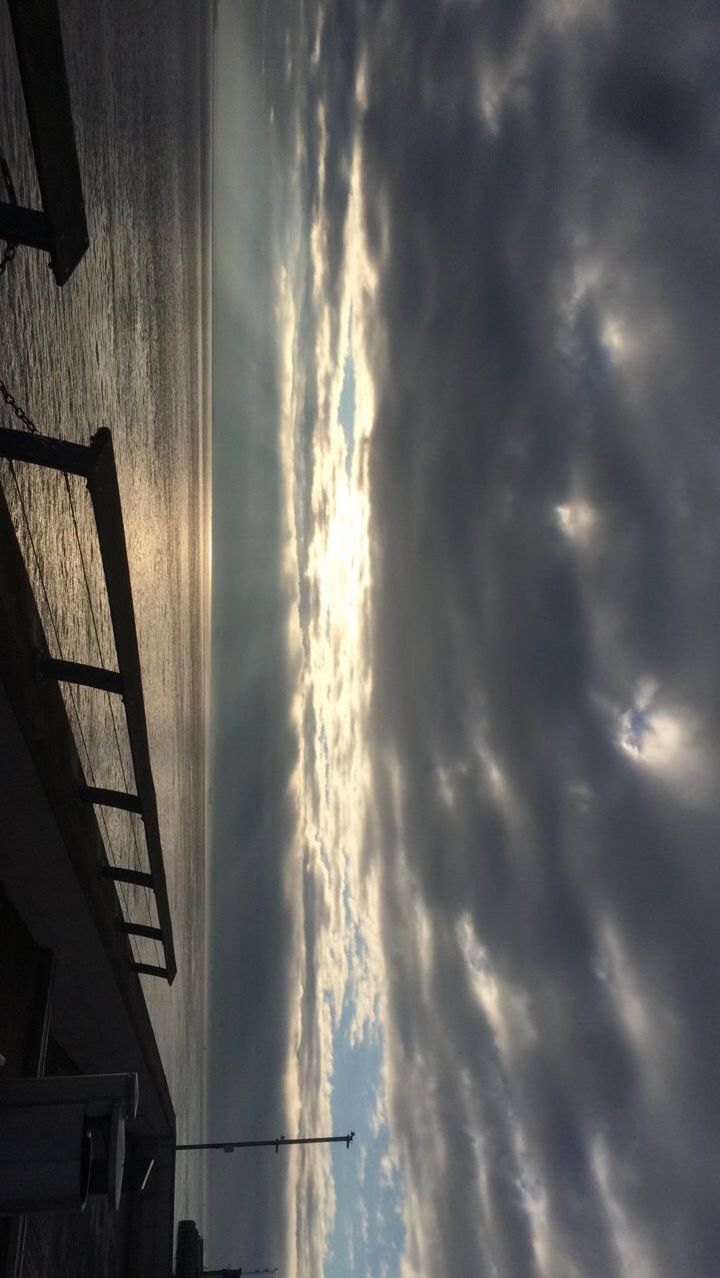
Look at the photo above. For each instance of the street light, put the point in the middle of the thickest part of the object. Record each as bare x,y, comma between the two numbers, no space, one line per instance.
229,1146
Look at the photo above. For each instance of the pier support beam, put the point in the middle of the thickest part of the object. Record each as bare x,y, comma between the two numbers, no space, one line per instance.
140,878
24,226
149,969
110,798
141,929
96,463
42,450
77,672
61,227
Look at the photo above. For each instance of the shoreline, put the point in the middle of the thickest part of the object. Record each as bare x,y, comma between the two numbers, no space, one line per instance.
205,439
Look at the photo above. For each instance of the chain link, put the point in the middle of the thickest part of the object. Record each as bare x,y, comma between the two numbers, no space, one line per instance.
17,409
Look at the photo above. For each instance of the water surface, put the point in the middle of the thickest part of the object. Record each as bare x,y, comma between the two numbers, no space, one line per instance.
124,344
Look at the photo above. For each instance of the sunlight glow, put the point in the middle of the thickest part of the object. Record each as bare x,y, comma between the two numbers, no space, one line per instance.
326,517
617,338
667,740
507,1009
632,1254
577,520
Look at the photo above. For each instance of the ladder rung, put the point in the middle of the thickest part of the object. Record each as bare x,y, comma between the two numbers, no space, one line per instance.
120,875
110,798
149,969
141,929
76,672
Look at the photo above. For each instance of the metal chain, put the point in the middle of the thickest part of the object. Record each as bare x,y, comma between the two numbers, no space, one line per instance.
17,409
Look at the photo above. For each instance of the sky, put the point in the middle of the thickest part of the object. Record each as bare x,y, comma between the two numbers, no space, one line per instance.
466,547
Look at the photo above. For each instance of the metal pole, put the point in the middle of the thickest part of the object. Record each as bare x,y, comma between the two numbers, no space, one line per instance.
229,1146
234,1273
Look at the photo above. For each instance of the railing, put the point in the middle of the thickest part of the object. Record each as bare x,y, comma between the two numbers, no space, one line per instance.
96,463
60,228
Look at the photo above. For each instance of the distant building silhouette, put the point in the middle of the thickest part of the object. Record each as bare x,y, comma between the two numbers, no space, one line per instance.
189,1257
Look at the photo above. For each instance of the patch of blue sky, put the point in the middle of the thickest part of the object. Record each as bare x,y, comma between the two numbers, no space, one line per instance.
636,726
369,1233
325,765
597,360
346,409
351,924
639,724
325,859
595,350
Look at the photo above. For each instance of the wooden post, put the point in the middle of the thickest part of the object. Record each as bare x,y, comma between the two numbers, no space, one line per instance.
24,226
42,450
62,225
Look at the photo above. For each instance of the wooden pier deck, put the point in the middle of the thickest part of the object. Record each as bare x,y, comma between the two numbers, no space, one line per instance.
51,855
95,462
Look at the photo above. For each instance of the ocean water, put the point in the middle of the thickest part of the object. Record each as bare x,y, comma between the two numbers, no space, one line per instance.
125,344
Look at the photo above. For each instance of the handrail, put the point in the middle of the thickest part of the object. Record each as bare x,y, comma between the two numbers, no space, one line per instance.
61,228
96,463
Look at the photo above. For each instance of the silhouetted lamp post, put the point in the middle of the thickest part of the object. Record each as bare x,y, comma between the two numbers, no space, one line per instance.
235,1273
228,1146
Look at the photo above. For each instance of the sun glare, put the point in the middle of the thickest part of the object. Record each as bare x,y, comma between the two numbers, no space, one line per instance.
577,520
666,740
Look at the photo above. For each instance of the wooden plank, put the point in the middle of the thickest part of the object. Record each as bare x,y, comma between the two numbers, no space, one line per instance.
50,854
96,461
105,496
110,798
38,1044
43,450
24,226
150,969
77,672
35,1066
25,1009
41,59
119,874
16,1231
141,929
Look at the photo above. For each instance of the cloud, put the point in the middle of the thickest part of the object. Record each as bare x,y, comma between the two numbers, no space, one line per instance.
507,720
505,158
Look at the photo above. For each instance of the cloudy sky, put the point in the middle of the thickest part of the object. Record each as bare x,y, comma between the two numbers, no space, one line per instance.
467,614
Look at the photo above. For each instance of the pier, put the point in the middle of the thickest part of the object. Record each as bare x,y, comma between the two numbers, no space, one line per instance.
96,463
71,999
86,917
60,227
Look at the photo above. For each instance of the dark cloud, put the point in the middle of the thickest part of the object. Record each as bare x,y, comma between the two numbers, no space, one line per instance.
540,201
541,185
658,111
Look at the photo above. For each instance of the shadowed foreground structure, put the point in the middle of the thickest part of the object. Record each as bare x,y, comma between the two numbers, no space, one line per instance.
70,1000
189,1257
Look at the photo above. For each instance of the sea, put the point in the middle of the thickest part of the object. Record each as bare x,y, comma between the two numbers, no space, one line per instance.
126,344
